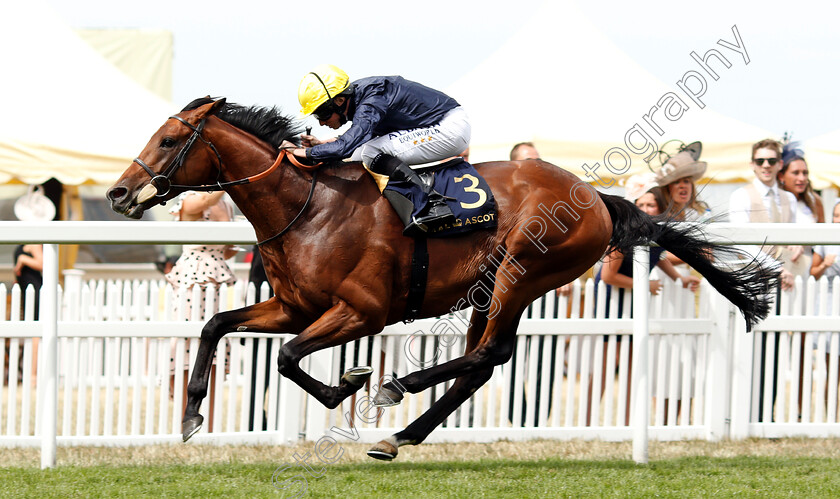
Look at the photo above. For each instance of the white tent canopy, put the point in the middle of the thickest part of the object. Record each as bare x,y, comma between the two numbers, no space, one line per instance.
67,113
562,84
823,156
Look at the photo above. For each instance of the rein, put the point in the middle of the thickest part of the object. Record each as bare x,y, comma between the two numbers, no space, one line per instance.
162,185
303,209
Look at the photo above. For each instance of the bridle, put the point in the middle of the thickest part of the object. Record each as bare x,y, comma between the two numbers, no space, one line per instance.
161,181
162,184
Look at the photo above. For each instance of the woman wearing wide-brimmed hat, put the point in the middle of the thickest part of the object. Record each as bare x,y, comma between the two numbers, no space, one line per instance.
678,178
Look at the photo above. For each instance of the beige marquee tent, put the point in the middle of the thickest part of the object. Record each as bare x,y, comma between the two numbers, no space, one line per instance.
562,84
823,156
67,112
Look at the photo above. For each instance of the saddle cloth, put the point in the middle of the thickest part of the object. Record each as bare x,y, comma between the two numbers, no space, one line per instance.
469,196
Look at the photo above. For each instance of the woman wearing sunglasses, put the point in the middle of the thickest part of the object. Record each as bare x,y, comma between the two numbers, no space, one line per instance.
395,123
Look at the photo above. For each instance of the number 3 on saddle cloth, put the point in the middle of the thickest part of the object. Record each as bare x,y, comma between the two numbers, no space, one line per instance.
468,196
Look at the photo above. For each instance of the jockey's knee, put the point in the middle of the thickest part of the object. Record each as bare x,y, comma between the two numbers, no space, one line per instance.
369,153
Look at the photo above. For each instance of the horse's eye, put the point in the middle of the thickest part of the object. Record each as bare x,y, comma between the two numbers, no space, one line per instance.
167,143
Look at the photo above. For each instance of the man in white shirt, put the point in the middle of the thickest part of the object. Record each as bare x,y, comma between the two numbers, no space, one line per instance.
764,201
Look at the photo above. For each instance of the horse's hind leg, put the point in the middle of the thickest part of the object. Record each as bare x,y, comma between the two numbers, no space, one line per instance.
417,431
459,392
269,316
493,348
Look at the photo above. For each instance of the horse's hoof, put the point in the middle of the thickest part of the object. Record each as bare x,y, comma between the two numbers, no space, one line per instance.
387,397
190,426
384,450
356,377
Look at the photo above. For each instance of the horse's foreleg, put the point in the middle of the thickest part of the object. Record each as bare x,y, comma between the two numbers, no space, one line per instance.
268,316
339,325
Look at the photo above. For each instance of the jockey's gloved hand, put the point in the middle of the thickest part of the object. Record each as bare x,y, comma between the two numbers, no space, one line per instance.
309,140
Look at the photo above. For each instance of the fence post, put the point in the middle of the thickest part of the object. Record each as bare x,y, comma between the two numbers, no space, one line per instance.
719,366
72,292
640,390
741,377
49,346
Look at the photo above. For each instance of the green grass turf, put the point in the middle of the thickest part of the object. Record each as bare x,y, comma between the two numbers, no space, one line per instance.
798,477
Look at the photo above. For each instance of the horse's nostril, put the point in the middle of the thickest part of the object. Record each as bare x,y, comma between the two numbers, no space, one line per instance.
117,193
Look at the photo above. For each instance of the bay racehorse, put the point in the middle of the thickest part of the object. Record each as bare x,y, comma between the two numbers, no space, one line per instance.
340,267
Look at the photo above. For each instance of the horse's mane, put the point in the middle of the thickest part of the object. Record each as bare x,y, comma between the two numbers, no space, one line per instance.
266,123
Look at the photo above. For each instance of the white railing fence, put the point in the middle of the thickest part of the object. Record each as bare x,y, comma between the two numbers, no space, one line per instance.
124,348
124,354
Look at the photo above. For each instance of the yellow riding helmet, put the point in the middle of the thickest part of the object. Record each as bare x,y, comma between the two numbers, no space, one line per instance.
321,84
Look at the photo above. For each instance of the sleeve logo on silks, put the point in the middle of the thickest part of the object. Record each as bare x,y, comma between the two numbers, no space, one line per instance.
415,135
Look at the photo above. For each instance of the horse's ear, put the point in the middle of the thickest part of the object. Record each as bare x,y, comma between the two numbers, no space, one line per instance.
209,109
217,105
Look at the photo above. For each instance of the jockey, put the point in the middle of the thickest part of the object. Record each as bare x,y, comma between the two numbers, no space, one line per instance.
395,123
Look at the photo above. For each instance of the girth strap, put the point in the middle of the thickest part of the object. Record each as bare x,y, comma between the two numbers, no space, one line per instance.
417,281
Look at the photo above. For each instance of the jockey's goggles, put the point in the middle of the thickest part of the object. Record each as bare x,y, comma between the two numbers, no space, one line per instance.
325,111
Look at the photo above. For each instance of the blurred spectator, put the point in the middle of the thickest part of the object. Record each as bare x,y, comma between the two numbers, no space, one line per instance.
825,264
257,276
34,206
521,151
617,270
200,265
29,265
763,201
678,179
793,177
524,150
164,263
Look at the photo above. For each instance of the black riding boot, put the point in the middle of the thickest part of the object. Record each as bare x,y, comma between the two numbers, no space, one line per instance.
434,214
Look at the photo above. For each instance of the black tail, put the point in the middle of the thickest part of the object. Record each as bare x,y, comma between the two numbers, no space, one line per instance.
749,287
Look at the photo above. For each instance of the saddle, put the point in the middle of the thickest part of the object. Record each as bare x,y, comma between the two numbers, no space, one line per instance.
467,194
